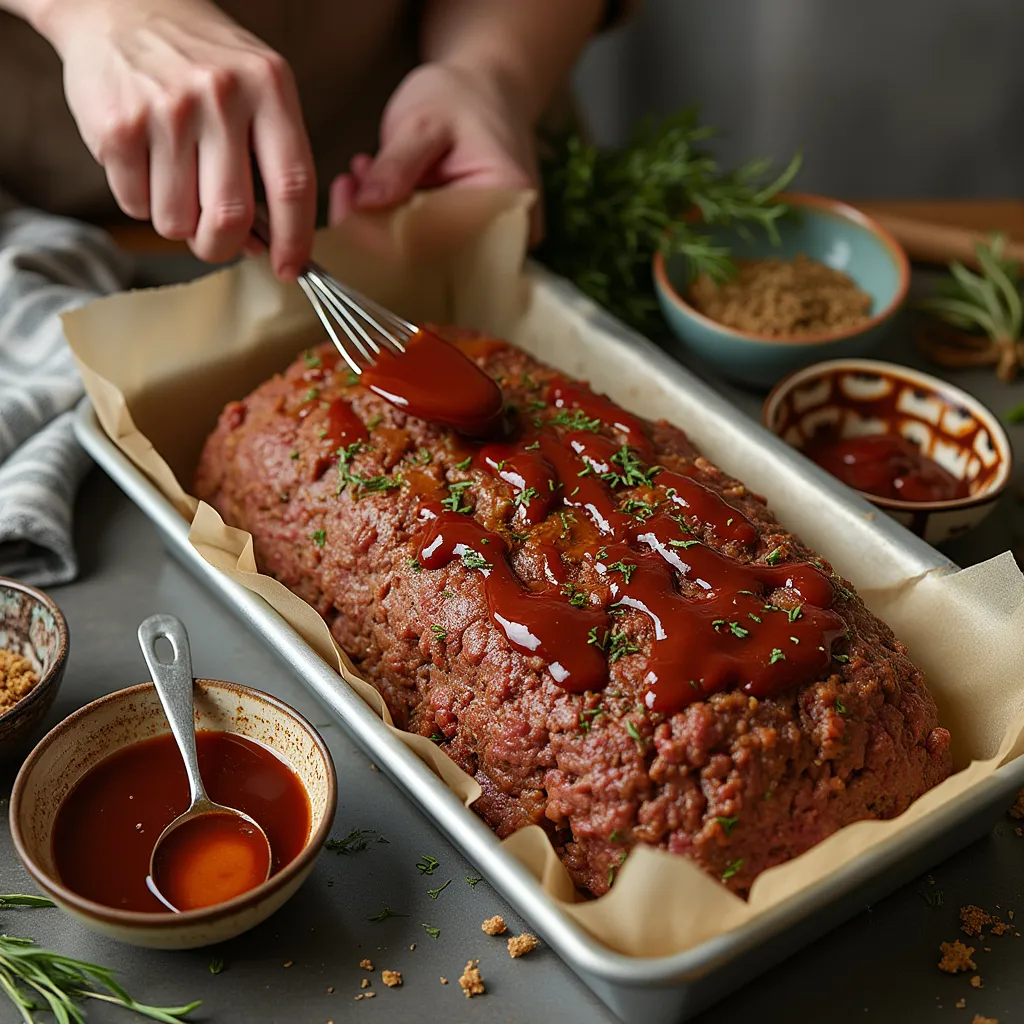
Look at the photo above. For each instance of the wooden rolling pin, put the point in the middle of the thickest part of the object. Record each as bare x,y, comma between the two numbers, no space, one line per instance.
926,242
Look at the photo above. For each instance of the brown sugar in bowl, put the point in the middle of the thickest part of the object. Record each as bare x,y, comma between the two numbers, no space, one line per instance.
77,744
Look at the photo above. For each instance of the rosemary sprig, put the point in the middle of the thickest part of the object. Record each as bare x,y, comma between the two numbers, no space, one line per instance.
34,978
609,211
986,306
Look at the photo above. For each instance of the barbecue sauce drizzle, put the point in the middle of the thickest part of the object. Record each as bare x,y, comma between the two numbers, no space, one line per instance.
729,634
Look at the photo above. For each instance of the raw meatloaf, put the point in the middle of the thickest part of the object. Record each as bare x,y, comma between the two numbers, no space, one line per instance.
737,782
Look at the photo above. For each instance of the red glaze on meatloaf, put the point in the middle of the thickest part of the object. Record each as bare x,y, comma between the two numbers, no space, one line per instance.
734,782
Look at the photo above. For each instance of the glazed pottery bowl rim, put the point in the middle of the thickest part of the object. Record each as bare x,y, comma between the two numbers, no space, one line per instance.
927,382
827,205
166,920
53,674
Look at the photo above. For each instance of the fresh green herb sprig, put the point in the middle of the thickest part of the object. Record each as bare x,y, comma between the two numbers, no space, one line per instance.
356,841
609,211
34,979
987,306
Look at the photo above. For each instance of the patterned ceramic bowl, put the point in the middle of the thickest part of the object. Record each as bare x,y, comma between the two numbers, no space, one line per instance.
858,397
30,625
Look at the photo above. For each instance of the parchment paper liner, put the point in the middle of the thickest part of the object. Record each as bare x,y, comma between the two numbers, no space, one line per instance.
160,364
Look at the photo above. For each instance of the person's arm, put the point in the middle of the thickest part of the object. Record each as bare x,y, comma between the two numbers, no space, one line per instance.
467,115
171,97
527,46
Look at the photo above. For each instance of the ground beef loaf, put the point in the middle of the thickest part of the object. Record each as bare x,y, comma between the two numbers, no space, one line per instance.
734,782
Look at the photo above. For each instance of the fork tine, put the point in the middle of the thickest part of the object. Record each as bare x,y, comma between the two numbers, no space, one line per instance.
348,323
329,327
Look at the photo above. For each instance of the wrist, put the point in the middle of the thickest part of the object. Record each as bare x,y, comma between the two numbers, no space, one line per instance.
500,76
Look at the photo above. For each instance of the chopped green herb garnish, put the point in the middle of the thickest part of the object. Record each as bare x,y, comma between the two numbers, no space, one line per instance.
434,893
524,497
618,646
732,869
319,537
217,965
312,394
774,557
841,658
18,899
431,930
642,510
474,560
312,359
439,631
321,433
293,456
756,618
385,914
602,554
587,718
727,823
355,842
614,867
683,543
794,639
575,420
454,500
414,564
840,707
532,447
437,737
728,521
615,837
795,613
427,865
577,598
626,568
353,379
1015,415
473,881
465,463
535,404
777,655
634,732
933,897
567,520
845,591
630,472
734,627
424,456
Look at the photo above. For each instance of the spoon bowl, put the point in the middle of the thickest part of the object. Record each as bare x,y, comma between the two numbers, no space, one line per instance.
209,853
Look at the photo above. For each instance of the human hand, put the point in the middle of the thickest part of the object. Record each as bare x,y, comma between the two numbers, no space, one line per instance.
443,127
171,96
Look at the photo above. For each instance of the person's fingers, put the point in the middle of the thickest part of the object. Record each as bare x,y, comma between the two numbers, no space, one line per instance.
225,175
359,165
173,170
401,163
343,190
128,177
286,165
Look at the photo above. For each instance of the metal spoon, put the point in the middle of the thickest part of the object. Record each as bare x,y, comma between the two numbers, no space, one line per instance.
173,680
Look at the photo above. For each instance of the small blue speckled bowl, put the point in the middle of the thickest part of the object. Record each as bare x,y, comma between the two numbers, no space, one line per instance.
30,625
821,229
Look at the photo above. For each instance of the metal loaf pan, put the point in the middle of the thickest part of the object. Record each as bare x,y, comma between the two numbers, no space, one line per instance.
639,990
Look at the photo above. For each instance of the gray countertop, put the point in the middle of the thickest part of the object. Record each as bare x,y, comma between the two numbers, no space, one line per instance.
302,965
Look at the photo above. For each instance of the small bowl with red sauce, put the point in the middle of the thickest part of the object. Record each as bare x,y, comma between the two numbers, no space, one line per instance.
929,454
92,798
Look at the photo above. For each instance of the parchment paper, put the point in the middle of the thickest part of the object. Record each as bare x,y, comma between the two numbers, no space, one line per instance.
159,365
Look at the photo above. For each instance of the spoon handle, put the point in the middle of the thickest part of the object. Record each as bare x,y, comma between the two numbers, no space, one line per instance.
173,681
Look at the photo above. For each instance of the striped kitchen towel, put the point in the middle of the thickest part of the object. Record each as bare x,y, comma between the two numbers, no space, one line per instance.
48,265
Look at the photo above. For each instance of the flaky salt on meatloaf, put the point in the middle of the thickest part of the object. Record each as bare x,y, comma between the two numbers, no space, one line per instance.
735,782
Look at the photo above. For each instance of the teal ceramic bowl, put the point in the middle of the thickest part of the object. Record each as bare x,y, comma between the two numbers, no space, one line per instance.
822,229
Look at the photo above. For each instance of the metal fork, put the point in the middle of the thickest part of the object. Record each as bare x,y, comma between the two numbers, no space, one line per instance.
367,328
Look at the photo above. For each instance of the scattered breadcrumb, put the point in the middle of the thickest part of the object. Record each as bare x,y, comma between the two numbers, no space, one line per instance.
1009,914
367,965
956,957
1017,810
17,678
288,963
978,1019
973,919
1018,831
520,945
365,983
393,979
495,925
444,981
472,982
369,995
412,947
330,989
358,997
960,1004
976,980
